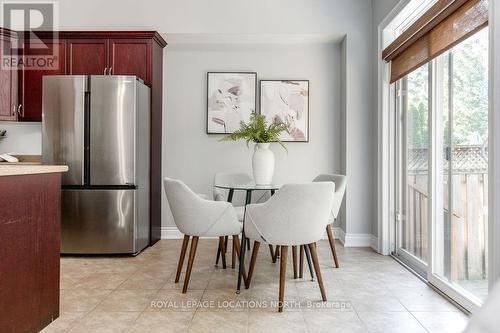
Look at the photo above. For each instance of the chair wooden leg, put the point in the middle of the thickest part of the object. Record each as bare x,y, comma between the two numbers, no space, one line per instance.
314,255
277,252
181,257
233,254
237,249
294,259
218,254
226,238
192,253
255,251
281,296
273,256
301,261
332,245
222,250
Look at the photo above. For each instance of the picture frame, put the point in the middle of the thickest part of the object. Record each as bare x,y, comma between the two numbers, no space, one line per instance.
231,98
287,101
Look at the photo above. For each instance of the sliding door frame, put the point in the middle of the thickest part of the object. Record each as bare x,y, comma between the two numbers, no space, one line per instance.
465,299
494,145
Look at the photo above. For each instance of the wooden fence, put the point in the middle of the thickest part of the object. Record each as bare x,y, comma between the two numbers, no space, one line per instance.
465,234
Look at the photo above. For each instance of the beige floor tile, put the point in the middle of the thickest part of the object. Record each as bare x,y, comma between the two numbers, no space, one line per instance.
286,322
162,322
368,292
376,303
442,322
145,281
64,322
127,300
198,281
425,301
322,321
174,300
224,300
215,322
100,280
391,322
72,300
105,322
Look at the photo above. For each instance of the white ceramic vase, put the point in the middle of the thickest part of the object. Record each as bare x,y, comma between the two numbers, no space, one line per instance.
263,164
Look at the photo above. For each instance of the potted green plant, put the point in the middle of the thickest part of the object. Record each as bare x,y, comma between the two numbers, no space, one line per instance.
258,131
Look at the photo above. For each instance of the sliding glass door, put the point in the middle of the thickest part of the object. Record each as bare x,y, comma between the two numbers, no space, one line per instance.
461,216
442,163
413,222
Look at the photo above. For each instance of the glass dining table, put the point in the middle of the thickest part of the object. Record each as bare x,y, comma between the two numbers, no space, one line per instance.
249,188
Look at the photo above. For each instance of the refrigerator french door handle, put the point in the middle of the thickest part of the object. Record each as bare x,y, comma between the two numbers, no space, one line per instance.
86,139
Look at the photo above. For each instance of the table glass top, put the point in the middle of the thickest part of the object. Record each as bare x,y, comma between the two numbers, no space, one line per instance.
250,186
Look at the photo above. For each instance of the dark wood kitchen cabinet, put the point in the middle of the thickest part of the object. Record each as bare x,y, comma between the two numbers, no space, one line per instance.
29,250
87,56
103,56
47,57
131,57
8,76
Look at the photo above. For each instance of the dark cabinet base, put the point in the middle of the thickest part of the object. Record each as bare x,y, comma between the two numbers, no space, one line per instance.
29,251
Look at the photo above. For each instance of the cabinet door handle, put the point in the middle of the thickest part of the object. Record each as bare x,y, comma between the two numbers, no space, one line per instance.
20,111
106,71
110,70
13,110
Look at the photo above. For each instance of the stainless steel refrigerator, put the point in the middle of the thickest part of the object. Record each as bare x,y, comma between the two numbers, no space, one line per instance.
99,127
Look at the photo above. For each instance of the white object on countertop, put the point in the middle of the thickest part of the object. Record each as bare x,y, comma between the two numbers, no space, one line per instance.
8,158
263,164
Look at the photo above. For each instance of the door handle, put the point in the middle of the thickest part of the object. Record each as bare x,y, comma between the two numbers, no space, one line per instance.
13,110
110,70
105,70
19,112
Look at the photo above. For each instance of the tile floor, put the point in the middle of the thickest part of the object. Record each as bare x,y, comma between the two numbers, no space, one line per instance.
369,293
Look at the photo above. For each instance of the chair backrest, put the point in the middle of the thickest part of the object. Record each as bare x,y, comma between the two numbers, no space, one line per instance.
229,178
192,214
297,214
340,182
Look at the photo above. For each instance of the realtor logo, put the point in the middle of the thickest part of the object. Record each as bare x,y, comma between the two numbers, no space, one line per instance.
27,50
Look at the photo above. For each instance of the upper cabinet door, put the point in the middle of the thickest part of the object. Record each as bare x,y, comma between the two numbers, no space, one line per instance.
47,58
87,56
8,81
131,57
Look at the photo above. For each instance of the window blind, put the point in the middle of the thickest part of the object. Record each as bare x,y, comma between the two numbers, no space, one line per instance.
444,25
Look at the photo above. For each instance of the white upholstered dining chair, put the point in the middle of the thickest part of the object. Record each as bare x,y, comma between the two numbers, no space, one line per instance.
296,215
340,182
197,217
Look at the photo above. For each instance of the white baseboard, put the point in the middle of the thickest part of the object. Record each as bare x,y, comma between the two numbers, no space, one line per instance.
357,240
348,240
171,233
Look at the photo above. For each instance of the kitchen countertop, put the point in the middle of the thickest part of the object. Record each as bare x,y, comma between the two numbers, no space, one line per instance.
15,169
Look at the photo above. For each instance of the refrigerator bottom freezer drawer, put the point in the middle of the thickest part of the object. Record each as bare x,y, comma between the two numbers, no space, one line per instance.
100,222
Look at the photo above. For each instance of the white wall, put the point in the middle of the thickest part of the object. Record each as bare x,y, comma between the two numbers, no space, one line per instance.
381,8
193,156
352,19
